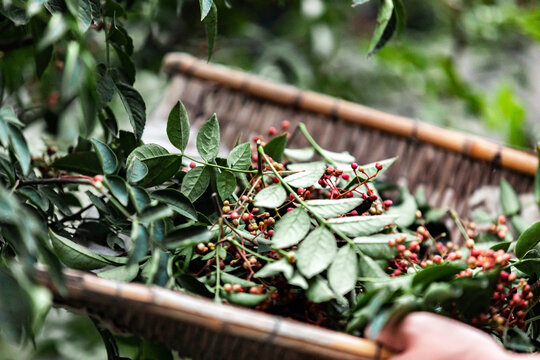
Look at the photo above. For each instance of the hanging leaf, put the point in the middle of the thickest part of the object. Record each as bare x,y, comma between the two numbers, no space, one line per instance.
104,86
527,240
291,228
136,171
300,154
332,208
406,210
240,157
56,28
245,299
178,126
206,6
376,246
272,196
275,148
226,184
274,268
139,243
178,202
361,225
509,199
308,175
385,27
19,148
208,139
437,272
196,182
154,213
134,105
316,252
82,162
161,165
370,269
210,25
124,273
139,198
319,291
106,157
118,188
76,256
343,271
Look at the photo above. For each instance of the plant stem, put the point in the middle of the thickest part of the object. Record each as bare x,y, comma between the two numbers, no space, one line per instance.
315,146
236,243
58,181
319,218
219,166
455,217
217,297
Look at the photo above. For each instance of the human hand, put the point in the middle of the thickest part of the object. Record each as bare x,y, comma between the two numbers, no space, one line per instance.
426,336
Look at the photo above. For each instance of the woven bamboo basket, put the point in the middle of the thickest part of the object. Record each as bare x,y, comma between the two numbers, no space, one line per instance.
450,166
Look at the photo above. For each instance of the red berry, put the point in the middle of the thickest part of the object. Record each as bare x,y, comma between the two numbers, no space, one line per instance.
354,213
192,164
401,248
345,176
379,166
437,259
354,166
285,124
272,131
501,219
98,178
388,203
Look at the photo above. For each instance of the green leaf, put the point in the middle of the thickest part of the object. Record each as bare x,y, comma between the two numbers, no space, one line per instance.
15,308
240,157
406,210
154,213
56,28
245,299
271,197
300,154
274,268
291,228
139,243
438,272
527,240
178,202
104,86
118,188
161,165
210,25
82,162
298,280
309,174
191,235
319,291
139,197
537,178
376,246
343,271
20,148
136,171
208,139
195,182
178,126
231,279
509,199
370,269
316,252
127,67
440,292
76,256
35,197
124,273
106,157
134,105
361,225
371,169
206,6
73,73
359,2
226,184
380,36
342,157
276,147
332,208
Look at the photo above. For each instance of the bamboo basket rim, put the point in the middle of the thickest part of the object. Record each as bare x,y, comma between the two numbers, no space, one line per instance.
452,140
220,318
